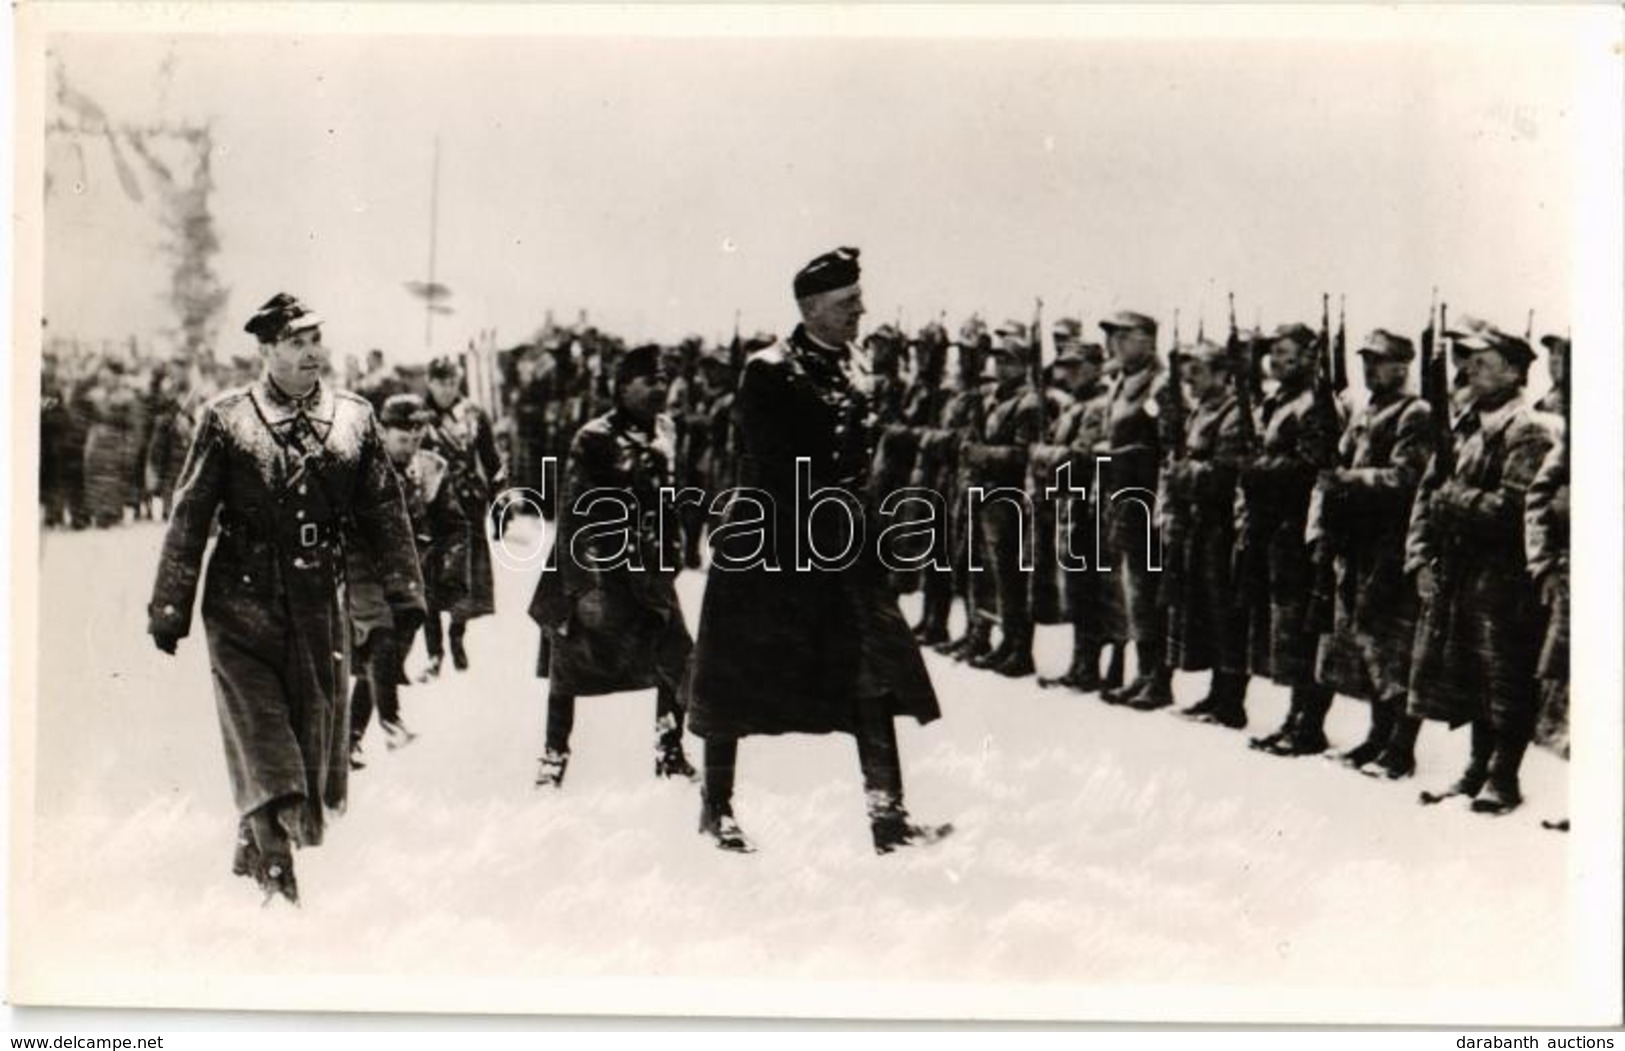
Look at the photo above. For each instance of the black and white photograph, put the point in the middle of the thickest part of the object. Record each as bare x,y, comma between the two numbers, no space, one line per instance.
1052,513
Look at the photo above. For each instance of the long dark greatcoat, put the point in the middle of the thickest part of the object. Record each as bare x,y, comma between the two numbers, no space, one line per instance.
1131,435
635,637
1363,520
1296,441
1546,539
110,451
1204,630
290,481
789,650
462,434
1479,638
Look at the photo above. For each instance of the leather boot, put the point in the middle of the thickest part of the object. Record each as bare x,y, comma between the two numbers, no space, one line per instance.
1471,781
1230,701
1398,758
1382,727
1157,694
1502,794
1113,679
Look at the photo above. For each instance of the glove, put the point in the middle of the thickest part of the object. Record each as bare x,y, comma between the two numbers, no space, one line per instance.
407,621
165,642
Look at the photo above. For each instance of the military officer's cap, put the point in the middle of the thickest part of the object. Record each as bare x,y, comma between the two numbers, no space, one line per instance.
1129,321
1296,332
403,411
444,367
828,272
932,334
1385,346
641,360
759,340
1513,348
1554,343
281,316
1067,330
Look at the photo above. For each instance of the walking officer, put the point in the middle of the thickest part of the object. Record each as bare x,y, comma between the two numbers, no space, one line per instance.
293,467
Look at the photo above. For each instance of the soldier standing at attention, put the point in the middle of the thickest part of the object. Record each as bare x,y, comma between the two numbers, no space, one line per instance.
461,433
608,607
1296,442
441,534
1478,642
1093,599
1204,628
799,630
996,460
1363,515
293,467
1131,437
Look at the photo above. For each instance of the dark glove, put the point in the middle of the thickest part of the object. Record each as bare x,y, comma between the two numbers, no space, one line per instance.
407,621
165,642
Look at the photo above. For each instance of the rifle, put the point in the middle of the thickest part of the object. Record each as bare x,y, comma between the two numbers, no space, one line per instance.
1241,369
1436,392
1340,364
736,349
1036,365
1175,399
1325,402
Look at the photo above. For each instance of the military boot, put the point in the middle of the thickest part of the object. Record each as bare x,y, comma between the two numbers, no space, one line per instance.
891,828
1398,758
1471,781
454,641
1502,794
1113,679
550,774
276,877
670,760
718,823
994,656
245,858
978,643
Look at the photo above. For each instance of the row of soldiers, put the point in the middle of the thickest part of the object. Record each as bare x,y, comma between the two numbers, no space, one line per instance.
1411,552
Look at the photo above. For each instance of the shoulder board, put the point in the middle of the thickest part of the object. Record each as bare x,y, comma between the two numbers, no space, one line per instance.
226,398
772,354
351,397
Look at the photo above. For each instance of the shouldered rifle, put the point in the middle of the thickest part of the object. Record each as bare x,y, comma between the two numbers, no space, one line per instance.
1173,407
1036,365
1241,378
1340,364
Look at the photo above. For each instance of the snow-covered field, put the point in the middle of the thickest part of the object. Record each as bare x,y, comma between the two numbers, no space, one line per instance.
1098,851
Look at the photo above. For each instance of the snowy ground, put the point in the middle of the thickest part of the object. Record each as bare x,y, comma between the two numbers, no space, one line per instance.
1097,848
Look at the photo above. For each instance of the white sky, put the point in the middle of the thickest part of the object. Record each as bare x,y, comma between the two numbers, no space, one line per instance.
662,183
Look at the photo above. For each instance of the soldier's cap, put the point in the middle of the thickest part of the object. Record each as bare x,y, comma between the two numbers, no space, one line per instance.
886,333
1010,332
403,411
280,317
715,356
1129,321
1513,348
1296,332
1553,341
1074,352
1211,354
828,272
642,360
1385,346
759,340
1067,330
444,367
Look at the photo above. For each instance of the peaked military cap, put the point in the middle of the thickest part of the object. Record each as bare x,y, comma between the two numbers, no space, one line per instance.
1207,352
403,410
1012,330
444,367
886,333
830,271
1067,330
1385,346
973,333
280,317
1513,348
1129,321
1554,341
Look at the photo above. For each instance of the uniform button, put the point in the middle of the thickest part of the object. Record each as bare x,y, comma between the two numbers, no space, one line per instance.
247,579
299,514
303,489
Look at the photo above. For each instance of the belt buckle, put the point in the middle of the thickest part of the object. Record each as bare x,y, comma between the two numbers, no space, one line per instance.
309,535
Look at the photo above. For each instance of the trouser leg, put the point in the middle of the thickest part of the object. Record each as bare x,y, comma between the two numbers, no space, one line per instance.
721,755
433,639
669,718
561,718
383,667
878,759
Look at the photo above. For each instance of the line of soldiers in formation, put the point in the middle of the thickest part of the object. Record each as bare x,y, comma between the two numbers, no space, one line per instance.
1411,552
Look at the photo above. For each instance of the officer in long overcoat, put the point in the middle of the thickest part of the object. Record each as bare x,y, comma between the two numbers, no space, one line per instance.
607,605
292,467
1199,496
1546,540
1478,640
1360,517
799,632
460,431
